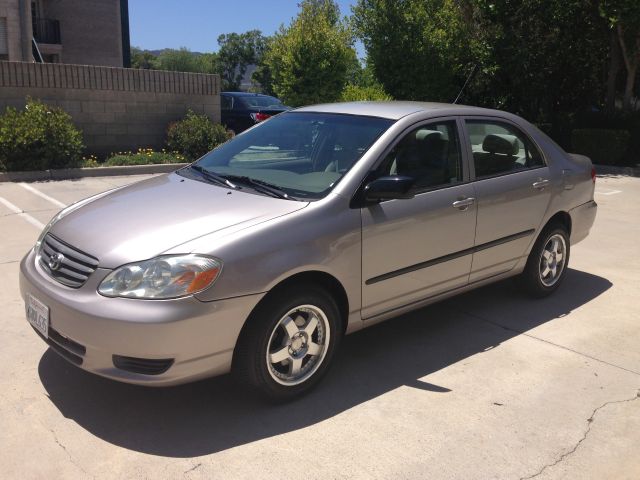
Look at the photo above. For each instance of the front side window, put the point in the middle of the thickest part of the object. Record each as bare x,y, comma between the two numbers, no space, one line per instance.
499,148
430,154
302,154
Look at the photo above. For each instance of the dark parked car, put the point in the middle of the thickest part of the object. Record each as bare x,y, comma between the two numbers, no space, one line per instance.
241,110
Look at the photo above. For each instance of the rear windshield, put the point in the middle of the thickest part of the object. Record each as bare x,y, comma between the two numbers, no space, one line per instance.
303,154
261,102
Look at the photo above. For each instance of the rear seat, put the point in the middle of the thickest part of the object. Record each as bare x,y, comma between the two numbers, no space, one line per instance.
499,153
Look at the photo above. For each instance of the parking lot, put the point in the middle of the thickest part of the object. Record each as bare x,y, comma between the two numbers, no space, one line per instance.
487,385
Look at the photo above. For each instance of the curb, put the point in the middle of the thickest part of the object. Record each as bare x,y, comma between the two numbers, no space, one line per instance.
69,173
611,170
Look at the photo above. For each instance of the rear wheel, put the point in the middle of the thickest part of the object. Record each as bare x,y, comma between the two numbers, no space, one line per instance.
288,343
547,262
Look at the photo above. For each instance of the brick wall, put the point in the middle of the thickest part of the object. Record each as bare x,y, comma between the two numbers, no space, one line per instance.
116,108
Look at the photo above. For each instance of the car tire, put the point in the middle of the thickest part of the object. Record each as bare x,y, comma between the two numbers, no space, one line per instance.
288,343
547,263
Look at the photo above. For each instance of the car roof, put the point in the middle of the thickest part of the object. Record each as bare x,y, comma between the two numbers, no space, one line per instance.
397,109
244,94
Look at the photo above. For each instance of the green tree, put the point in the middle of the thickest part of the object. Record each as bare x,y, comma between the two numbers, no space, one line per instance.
419,49
143,59
262,79
208,63
237,52
548,57
623,17
181,60
309,60
357,93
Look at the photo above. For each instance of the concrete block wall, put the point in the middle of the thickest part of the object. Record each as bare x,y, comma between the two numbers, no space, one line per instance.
116,108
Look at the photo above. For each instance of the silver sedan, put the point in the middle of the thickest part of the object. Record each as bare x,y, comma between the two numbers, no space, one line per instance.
259,257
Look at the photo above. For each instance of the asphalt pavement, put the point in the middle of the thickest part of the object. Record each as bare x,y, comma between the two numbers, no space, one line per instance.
487,385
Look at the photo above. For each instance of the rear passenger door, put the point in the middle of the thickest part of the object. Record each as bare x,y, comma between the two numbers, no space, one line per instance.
512,186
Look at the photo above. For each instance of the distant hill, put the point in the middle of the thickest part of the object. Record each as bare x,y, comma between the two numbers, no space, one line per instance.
157,53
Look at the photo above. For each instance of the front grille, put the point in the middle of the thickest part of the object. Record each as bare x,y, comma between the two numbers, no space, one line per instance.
65,347
74,266
146,366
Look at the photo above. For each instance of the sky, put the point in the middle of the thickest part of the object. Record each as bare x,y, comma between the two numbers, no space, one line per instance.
196,24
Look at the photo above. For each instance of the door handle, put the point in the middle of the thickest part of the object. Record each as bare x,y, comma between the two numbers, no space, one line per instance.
541,184
464,203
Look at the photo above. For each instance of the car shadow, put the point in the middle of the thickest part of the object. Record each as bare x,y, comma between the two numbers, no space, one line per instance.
214,415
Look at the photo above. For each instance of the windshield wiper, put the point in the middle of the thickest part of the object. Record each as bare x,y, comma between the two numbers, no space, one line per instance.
259,185
209,175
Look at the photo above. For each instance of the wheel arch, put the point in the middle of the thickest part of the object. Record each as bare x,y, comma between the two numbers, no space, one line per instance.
561,217
311,277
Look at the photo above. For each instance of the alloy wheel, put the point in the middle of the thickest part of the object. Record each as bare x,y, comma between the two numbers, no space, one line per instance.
552,260
298,344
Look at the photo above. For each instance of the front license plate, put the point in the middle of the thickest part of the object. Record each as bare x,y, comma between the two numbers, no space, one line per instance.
38,315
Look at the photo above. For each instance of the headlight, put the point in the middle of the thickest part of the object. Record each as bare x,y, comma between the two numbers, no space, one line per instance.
162,277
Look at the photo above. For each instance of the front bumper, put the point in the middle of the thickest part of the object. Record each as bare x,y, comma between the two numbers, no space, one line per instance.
198,336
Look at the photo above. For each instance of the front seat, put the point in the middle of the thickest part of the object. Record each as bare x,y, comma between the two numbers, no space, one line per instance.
424,157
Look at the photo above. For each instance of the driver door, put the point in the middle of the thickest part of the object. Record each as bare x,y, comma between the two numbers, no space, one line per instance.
417,248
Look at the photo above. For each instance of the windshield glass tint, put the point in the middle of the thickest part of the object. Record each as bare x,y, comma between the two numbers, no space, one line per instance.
262,102
303,154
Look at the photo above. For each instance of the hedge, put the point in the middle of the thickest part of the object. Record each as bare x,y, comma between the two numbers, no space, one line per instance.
195,135
602,146
39,137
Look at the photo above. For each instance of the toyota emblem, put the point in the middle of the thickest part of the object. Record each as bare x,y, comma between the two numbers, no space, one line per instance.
55,261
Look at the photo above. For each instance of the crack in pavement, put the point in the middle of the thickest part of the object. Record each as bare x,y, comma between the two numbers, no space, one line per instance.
13,214
548,342
590,421
55,437
193,468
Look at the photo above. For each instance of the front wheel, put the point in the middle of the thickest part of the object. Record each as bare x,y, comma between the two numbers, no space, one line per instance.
288,343
547,262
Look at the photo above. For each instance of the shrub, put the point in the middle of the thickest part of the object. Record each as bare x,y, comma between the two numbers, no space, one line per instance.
195,135
356,93
144,156
38,138
604,147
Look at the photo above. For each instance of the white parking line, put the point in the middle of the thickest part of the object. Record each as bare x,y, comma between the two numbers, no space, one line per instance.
608,192
35,191
21,213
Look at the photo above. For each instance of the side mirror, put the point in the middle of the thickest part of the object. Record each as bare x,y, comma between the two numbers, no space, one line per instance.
389,188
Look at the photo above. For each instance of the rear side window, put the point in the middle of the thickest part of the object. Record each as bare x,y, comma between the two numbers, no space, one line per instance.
430,154
226,103
499,148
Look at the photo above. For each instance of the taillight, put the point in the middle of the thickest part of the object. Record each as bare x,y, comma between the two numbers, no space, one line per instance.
593,174
259,117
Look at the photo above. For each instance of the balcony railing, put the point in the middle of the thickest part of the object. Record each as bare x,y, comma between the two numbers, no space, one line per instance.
46,30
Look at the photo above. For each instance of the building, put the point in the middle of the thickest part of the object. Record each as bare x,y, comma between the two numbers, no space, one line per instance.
83,32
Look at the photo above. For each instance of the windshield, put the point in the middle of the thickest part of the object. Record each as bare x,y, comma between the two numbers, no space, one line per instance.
261,101
302,154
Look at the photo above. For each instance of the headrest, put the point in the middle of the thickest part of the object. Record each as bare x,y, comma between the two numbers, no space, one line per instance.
428,135
503,144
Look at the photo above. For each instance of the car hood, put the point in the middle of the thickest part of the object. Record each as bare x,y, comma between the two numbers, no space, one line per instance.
145,219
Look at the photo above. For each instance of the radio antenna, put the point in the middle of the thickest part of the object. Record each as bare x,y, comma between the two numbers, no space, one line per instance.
471,75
